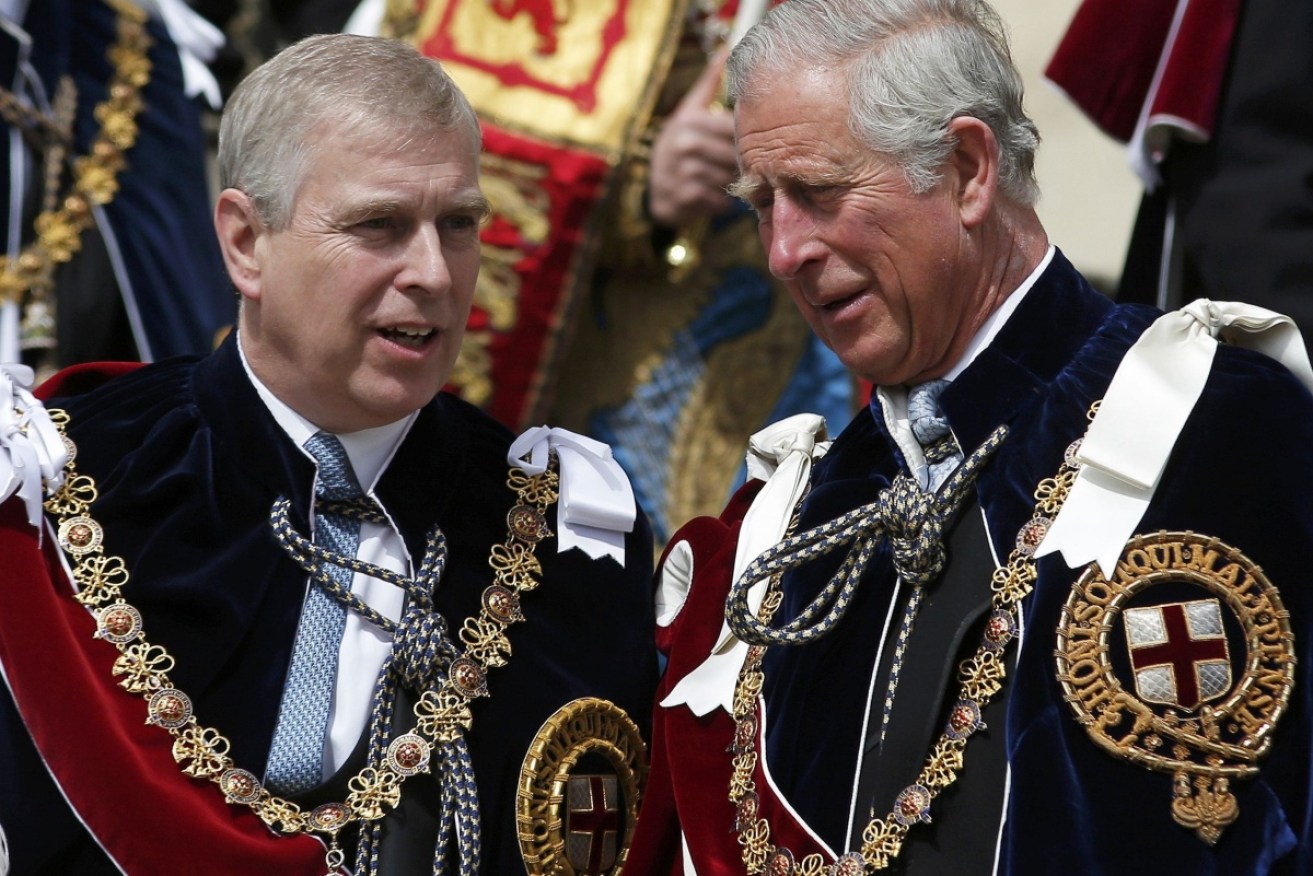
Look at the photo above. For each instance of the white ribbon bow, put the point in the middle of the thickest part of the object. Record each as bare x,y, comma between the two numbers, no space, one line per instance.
1124,452
782,455
32,454
596,506
197,41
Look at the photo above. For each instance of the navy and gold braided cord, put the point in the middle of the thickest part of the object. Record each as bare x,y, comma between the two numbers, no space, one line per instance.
361,508
459,788
900,650
314,558
420,660
912,520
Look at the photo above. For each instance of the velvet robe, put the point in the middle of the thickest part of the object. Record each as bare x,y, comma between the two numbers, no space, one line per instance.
188,461
1241,471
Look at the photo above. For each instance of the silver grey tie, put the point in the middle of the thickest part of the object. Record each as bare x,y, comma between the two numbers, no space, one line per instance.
930,427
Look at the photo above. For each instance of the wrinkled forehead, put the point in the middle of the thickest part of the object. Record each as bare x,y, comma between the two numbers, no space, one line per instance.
791,118
379,132
796,95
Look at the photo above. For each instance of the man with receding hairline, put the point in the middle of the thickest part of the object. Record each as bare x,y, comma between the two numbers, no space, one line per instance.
1032,611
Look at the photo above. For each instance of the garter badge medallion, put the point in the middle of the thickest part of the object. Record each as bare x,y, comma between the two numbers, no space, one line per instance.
1182,662
579,789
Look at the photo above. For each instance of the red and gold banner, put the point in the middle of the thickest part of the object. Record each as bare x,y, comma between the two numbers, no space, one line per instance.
564,89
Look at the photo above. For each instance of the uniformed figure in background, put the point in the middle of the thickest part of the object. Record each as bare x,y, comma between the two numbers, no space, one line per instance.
108,253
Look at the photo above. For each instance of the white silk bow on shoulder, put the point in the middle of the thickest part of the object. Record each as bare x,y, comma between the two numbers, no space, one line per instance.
1124,452
781,455
596,506
32,453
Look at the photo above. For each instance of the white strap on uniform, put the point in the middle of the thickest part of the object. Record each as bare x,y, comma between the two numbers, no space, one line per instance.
1124,451
596,506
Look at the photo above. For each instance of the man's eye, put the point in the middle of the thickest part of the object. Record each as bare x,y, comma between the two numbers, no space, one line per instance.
820,193
376,223
461,223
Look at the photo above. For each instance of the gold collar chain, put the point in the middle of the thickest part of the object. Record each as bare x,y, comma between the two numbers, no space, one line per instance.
59,227
201,752
980,678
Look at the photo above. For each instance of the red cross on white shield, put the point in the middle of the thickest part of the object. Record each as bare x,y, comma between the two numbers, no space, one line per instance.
592,823
1179,652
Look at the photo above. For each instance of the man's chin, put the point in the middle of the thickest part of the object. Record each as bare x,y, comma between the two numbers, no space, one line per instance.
376,406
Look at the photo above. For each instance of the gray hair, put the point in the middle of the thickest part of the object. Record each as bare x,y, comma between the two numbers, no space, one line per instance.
912,66
266,137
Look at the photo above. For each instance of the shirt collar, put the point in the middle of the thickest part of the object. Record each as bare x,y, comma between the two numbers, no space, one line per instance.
889,403
370,450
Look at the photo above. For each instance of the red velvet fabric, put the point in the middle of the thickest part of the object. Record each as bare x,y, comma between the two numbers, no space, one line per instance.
80,378
1110,55
117,772
691,793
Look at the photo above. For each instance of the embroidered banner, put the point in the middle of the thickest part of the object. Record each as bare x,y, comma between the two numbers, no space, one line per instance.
563,91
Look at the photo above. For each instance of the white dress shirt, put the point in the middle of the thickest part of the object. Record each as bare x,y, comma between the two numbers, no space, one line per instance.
364,646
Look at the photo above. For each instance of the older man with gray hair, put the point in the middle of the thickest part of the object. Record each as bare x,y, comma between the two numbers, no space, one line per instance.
1039,609
288,608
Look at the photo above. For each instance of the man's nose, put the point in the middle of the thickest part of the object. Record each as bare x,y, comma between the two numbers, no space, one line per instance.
789,239
425,267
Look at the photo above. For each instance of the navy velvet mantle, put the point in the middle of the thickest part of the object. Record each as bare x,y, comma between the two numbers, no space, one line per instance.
189,461
1242,471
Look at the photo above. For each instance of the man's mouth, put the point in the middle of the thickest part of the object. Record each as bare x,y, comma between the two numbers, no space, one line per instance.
408,337
839,303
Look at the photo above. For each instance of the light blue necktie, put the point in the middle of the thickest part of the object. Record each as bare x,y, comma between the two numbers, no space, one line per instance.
929,425
297,753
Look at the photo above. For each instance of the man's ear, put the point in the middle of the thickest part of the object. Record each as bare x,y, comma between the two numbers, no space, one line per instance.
975,159
239,228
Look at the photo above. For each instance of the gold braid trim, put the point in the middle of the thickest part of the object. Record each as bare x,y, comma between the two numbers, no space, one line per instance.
95,175
202,752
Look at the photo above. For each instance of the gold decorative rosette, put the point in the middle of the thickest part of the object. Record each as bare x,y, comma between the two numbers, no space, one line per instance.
1183,662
